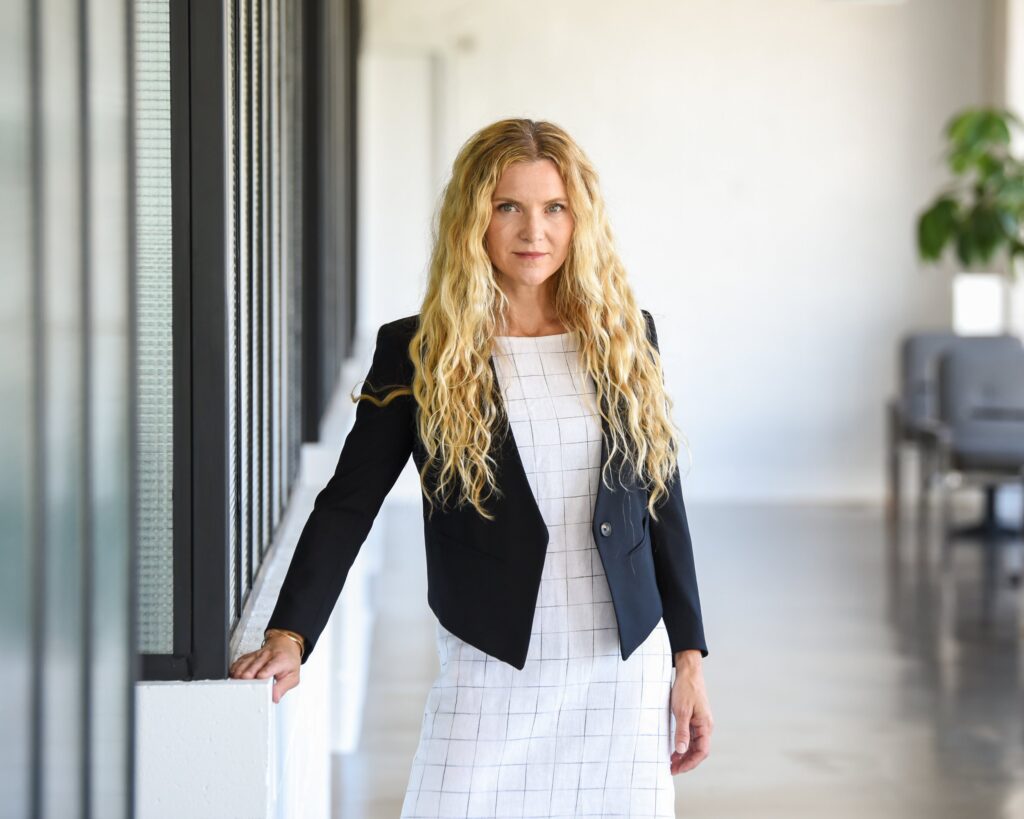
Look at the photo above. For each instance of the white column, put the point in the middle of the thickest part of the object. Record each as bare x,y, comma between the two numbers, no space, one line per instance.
1013,92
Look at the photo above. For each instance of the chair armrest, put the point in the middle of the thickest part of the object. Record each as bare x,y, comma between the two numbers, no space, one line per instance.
895,427
939,437
938,432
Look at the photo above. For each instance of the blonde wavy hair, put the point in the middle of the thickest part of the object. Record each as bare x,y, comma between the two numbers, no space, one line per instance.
453,383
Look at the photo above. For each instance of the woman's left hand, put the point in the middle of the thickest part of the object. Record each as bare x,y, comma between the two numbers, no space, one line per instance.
690,707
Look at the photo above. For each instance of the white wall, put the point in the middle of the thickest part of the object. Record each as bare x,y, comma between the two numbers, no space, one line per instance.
398,189
395,191
764,164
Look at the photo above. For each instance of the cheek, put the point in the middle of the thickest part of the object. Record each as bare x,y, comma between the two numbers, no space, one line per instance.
495,237
491,238
566,235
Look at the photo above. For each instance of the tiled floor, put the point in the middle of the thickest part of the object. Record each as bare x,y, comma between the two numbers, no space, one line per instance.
851,673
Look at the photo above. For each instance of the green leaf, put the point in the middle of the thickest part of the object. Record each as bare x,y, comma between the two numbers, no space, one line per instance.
935,227
973,134
960,159
994,129
1011,195
1009,222
989,167
960,126
983,209
985,230
965,249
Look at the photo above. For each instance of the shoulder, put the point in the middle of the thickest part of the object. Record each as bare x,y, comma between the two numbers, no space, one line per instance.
391,350
400,329
652,333
397,334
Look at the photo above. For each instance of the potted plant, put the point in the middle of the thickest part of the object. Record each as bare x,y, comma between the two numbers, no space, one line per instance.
981,212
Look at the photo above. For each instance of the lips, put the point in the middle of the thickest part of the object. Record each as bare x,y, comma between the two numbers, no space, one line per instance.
531,255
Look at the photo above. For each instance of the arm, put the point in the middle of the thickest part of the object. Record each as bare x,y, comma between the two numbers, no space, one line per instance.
373,456
674,566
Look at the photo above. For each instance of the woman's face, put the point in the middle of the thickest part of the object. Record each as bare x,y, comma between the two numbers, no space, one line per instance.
528,237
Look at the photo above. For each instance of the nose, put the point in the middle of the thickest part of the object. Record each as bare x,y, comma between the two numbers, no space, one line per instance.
533,228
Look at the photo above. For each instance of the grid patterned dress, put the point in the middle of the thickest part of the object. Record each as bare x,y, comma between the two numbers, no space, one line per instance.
578,731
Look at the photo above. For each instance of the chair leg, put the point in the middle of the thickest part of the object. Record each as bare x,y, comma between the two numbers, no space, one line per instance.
947,512
893,497
926,476
989,527
1015,576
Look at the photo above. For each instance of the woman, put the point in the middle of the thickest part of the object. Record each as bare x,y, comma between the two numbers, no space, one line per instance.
559,561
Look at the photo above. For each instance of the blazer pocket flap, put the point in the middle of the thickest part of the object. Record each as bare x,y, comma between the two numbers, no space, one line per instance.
645,536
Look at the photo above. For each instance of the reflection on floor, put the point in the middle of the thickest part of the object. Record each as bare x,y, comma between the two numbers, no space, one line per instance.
852,672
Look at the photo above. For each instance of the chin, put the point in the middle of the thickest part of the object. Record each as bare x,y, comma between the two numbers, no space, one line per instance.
535,277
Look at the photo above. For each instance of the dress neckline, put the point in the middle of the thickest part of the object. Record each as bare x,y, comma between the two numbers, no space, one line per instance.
550,335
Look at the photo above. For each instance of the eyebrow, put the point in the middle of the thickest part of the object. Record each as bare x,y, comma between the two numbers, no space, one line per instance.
514,202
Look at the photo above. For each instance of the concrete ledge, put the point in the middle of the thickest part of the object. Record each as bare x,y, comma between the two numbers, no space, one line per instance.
222,748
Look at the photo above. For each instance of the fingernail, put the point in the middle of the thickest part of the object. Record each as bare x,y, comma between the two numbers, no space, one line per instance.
680,747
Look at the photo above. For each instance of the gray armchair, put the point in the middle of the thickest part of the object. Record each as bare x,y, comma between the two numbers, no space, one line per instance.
979,432
912,414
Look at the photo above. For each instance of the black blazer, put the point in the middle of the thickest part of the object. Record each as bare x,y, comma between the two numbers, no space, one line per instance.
483,577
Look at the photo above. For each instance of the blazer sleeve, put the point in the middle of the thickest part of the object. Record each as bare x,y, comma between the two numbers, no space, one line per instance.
373,455
673,560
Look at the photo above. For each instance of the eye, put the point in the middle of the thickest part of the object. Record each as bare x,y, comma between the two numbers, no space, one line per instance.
504,204
558,205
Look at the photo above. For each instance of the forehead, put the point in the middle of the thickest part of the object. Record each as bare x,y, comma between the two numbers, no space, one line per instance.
531,180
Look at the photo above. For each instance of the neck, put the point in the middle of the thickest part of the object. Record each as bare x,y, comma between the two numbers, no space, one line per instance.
531,310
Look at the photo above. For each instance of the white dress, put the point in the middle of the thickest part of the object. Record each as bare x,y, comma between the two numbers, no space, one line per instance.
578,731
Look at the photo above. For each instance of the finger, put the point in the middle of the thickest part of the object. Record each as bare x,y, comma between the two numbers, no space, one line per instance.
240,663
259,661
699,739
684,762
699,749
276,664
683,731
250,664
284,683
689,762
701,721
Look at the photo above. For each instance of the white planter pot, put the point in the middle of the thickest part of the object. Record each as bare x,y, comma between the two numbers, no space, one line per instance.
980,303
1016,301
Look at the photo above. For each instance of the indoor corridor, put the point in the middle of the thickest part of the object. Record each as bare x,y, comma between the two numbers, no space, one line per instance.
853,674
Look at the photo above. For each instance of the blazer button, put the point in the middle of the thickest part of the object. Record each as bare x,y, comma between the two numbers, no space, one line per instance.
606,528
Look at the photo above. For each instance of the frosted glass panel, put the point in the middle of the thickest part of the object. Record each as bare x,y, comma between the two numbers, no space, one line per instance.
17,408
153,305
111,654
65,494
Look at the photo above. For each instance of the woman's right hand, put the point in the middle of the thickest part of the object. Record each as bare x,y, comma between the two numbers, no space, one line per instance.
280,656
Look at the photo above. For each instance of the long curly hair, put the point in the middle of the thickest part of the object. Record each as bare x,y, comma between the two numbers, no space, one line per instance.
457,417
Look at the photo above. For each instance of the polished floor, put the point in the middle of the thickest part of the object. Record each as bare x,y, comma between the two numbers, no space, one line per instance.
853,671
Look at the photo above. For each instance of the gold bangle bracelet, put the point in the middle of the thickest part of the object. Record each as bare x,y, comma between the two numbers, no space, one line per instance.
291,635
